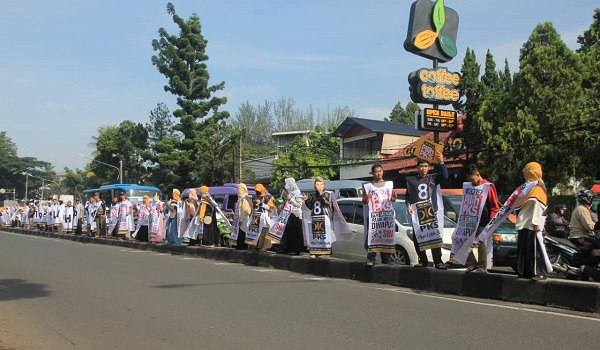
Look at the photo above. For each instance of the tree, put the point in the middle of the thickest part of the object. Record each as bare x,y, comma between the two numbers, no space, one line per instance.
589,53
256,125
469,88
490,81
126,143
547,123
470,98
14,170
288,118
182,60
404,116
304,160
160,125
332,118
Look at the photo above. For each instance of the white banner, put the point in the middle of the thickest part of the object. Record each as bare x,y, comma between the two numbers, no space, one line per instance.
473,202
381,224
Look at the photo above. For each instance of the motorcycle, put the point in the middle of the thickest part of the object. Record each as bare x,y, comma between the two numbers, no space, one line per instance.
572,259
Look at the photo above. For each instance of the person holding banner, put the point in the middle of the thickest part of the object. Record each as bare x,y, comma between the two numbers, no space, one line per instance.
124,217
424,204
380,217
486,212
532,259
293,236
174,213
243,209
258,227
320,205
141,232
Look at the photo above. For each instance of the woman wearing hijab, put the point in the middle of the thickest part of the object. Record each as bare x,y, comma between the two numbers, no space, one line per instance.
263,204
531,253
207,216
187,227
172,222
244,208
293,235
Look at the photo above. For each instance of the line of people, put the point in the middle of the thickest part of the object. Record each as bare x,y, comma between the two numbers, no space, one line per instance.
52,215
294,223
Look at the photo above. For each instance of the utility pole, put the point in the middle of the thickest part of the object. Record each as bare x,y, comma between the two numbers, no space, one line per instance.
240,157
120,170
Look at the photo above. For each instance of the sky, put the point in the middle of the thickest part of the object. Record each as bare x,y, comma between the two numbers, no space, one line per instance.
68,67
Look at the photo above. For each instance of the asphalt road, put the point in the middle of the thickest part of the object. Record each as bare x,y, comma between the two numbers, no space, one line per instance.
60,294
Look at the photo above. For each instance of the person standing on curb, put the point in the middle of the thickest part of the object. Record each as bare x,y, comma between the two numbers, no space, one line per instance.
258,226
490,209
244,209
424,187
531,252
320,206
293,236
174,210
100,218
125,218
78,216
380,193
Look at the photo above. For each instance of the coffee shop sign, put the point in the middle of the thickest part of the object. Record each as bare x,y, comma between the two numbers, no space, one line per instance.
437,85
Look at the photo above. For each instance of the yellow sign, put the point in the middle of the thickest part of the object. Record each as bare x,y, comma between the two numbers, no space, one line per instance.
425,149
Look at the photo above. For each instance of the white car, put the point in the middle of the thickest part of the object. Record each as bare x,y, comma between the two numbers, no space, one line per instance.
354,247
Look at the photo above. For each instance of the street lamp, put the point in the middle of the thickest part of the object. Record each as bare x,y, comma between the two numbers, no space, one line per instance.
120,169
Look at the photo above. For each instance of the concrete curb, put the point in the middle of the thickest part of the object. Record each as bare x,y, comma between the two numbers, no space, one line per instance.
575,295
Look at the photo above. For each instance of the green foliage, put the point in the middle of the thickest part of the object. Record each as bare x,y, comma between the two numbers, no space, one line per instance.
126,143
404,116
160,125
13,170
469,88
589,53
547,92
307,158
199,157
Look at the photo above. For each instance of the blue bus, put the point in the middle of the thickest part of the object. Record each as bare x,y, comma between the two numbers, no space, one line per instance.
135,193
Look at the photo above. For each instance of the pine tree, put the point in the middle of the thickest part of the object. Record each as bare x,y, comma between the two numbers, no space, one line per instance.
547,94
402,115
204,155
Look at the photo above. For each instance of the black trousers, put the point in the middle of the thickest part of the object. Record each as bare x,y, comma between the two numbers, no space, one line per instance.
422,254
530,262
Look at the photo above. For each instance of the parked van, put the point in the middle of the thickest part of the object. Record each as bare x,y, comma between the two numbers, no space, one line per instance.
340,188
225,195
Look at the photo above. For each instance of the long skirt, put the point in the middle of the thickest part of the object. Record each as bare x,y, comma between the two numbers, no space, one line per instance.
142,234
293,237
172,236
211,236
241,244
530,255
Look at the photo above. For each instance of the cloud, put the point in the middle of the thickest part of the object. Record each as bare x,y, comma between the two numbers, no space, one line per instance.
247,57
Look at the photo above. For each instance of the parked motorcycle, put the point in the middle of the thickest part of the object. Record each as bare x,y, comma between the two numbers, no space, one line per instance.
568,257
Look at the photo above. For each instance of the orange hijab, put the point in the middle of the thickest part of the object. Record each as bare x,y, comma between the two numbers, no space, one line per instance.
533,172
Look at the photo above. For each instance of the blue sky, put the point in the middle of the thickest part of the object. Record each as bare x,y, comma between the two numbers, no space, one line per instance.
70,66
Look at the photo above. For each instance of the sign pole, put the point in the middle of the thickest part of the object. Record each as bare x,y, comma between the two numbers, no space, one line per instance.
436,134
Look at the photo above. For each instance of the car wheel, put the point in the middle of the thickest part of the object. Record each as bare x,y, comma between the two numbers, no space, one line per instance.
400,257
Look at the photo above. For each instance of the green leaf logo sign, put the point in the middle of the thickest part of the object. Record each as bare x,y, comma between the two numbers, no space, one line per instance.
427,38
